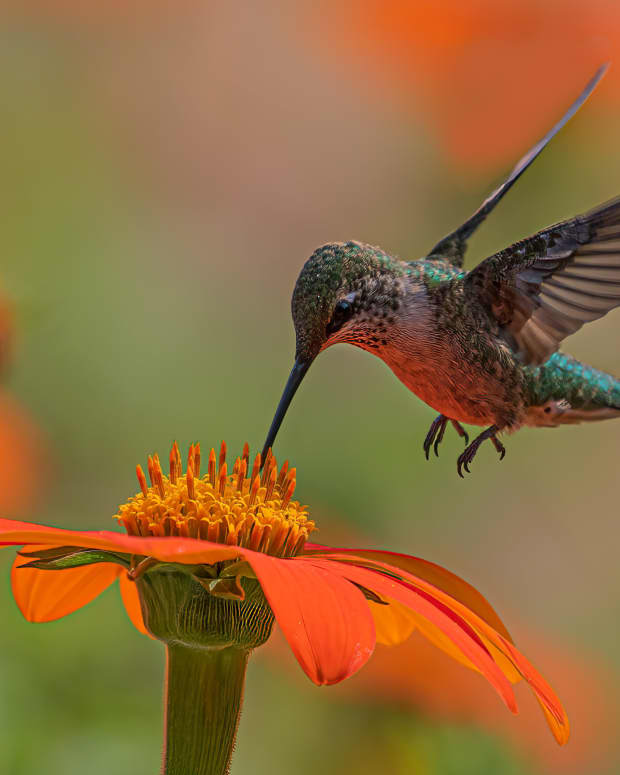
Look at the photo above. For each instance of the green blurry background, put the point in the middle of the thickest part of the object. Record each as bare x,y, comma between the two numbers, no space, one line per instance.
165,173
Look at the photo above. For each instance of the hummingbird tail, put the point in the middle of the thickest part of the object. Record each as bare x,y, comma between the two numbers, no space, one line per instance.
564,391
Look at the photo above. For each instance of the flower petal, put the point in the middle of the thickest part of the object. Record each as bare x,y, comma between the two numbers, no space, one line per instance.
168,549
547,698
445,579
45,595
501,648
508,658
439,577
394,623
131,601
325,619
452,625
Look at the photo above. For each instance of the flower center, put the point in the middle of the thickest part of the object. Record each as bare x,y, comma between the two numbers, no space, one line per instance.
254,511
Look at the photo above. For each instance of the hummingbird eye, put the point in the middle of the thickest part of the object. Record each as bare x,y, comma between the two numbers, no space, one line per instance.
342,312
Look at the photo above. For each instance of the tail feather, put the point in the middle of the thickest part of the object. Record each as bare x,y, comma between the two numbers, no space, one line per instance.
564,391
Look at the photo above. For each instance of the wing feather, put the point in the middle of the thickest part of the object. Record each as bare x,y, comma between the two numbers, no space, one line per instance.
544,288
453,246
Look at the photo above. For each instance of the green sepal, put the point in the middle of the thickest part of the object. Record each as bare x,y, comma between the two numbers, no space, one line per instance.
75,559
52,553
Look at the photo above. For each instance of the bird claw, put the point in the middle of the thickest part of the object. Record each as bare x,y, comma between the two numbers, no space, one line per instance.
439,438
436,432
438,426
461,431
501,449
469,454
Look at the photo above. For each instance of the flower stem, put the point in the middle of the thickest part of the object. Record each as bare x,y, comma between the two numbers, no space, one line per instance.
203,694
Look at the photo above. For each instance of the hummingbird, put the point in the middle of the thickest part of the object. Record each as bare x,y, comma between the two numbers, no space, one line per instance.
479,347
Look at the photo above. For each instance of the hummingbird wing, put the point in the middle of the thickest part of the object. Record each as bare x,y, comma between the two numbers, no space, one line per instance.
454,245
546,287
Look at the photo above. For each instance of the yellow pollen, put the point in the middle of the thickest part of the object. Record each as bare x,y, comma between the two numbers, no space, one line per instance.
253,511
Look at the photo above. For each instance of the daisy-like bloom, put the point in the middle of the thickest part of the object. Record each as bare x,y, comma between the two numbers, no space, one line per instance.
209,561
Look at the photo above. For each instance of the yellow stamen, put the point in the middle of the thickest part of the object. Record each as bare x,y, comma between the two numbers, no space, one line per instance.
267,461
177,459
173,467
271,484
254,490
223,475
159,477
255,467
212,467
238,510
142,480
242,471
270,463
189,477
282,474
289,492
197,459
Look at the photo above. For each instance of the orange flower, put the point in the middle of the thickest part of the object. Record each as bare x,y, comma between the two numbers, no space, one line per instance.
332,604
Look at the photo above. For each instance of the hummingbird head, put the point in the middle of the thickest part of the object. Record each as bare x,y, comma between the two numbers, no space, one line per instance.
341,295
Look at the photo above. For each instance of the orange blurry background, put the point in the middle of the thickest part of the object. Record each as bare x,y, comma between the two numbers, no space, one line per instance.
167,168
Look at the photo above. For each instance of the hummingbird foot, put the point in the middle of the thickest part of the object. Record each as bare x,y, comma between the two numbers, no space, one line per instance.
470,452
436,432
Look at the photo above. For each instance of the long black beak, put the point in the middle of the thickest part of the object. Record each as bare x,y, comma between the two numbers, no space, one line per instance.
298,372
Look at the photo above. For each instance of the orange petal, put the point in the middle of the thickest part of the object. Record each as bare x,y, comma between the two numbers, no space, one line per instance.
131,601
434,635
452,625
440,641
552,707
509,659
325,619
170,549
394,623
439,577
438,581
501,648
45,595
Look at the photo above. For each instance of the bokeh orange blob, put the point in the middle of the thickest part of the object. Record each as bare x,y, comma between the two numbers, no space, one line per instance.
23,462
489,76
391,679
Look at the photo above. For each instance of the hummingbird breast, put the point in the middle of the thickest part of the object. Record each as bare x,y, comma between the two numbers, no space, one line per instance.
465,373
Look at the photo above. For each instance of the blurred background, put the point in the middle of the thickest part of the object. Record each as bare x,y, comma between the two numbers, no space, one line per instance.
166,170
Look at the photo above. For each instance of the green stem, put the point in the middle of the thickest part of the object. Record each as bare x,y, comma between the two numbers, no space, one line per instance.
203,694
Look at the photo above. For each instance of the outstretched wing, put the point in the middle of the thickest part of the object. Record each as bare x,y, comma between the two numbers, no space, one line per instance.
546,287
454,245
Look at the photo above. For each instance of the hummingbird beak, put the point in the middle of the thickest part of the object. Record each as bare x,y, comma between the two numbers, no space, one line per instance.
298,372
